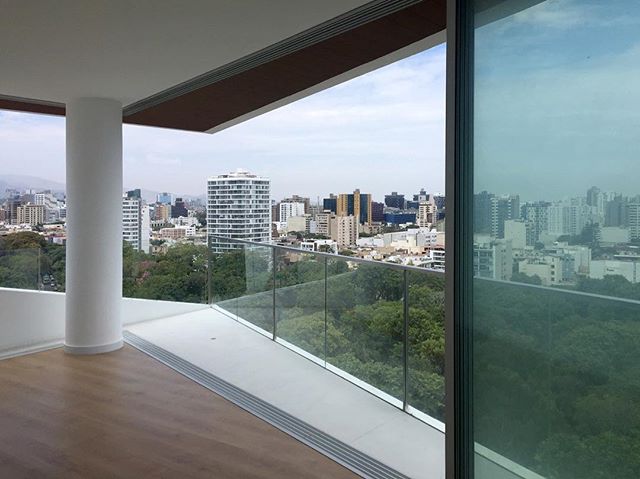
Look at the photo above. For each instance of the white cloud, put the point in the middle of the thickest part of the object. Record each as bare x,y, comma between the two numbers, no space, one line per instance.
380,132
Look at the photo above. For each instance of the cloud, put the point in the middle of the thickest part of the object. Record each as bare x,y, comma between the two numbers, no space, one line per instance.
553,119
380,132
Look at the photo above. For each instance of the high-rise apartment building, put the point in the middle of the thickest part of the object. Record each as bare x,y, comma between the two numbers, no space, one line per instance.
179,208
164,198
394,200
426,214
615,211
356,204
344,230
288,209
136,223
50,203
323,223
377,212
633,212
536,217
30,214
330,204
503,208
299,199
482,212
162,212
238,206
13,203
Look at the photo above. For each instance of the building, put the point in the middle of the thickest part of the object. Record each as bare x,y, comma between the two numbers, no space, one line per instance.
30,214
493,259
394,200
301,223
323,223
537,382
503,208
568,217
330,204
179,208
239,207
615,212
50,203
136,223
536,217
13,202
553,269
613,235
630,270
400,218
164,198
426,214
275,211
633,220
516,232
162,212
288,209
377,212
300,199
355,204
178,232
482,212
344,230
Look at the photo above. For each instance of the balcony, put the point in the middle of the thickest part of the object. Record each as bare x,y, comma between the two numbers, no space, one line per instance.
321,400
321,365
332,351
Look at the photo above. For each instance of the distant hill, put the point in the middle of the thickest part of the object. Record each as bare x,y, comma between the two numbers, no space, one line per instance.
21,182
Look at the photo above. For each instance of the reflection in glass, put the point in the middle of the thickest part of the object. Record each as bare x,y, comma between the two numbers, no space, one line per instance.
556,216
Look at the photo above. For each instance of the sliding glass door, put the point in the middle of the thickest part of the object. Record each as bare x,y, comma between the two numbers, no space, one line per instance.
554,313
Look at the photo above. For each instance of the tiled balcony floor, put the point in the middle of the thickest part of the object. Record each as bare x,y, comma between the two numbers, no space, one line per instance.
279,376
126,415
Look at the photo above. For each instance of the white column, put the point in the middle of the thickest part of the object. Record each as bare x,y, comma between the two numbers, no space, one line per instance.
94,226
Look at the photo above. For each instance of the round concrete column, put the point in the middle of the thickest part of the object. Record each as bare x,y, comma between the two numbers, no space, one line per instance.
94,226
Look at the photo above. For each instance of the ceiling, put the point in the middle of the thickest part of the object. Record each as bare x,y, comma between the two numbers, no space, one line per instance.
128,50
141,52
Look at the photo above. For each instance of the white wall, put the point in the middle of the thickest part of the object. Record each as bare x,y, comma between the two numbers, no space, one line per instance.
35,319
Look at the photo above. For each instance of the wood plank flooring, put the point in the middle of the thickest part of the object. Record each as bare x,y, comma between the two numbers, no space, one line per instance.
125,415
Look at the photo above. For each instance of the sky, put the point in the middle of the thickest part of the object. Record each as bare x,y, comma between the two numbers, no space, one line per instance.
556,95
381,132
557,90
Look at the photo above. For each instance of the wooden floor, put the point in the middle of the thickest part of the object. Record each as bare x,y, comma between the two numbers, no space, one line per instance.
125,415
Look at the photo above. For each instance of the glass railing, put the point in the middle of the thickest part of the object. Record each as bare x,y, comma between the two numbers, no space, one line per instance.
379,325
35,268
178,275
20,268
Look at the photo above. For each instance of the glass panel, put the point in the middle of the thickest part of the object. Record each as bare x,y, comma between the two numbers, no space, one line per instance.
52,267
365,324
426,343
557,214
300,301
241,283
19,268
179,274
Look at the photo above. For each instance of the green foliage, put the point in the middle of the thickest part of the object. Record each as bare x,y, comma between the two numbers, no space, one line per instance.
179,275
26,257
557,378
